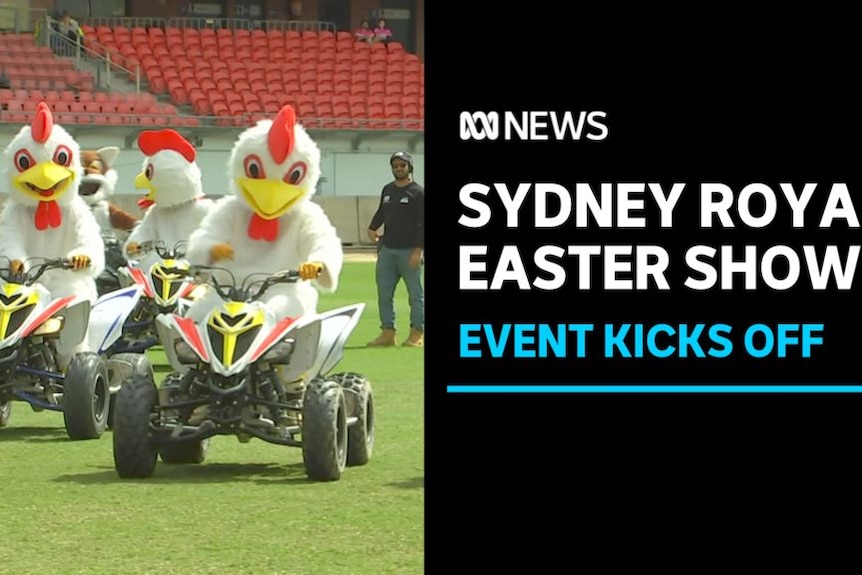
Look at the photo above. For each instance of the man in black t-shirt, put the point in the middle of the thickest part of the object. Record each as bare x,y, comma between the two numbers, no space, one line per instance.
400,249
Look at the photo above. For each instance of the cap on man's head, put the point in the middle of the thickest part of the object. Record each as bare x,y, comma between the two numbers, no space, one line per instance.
401,156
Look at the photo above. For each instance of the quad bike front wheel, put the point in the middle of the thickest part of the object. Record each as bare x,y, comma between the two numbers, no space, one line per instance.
86,398
134,451
186,451
324,430
360,404
140,366
5,413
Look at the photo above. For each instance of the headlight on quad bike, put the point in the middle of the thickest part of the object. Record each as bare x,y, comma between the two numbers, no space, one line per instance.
51,326
185,353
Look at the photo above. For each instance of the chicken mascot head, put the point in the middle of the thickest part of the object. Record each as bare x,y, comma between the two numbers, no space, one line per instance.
270,224
175,202
97,186
274,167
43,169
43,215
170,174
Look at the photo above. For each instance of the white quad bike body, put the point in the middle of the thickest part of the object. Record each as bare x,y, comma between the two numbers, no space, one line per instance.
34,327
243,371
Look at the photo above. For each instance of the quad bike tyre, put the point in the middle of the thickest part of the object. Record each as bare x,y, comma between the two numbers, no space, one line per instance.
324,430
5,413
360,404
134,451
86,400
187,451
140,366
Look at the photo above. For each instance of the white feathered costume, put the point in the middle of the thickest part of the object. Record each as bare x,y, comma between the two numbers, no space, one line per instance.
270,224
43,215
175,202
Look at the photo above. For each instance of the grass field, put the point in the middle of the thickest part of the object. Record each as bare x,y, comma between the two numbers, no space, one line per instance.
248,508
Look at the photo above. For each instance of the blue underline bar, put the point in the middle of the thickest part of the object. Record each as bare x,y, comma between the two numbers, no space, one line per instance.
802,388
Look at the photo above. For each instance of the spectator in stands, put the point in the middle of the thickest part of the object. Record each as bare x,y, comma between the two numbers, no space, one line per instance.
71,30
4,80
69,27
382,33
294,11
364,33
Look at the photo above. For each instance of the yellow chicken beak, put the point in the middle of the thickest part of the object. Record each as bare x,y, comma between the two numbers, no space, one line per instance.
269,198
45,181
142,182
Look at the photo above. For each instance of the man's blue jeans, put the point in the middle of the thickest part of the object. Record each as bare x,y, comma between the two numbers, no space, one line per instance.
392,266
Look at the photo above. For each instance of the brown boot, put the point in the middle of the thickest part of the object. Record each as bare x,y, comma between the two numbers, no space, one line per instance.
416,338
385,339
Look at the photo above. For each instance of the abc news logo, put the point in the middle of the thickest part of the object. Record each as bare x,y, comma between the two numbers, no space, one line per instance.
533,126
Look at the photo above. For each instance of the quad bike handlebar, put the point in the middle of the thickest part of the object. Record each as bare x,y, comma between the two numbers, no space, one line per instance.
177,251
30,272
252,287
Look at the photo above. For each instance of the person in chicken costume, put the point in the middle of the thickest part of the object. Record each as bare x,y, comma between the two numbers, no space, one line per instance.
97,187
270,224
175,201
43,215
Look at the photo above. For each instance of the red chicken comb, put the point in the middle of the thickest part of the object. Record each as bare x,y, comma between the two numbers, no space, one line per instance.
152,141
280,140
43,123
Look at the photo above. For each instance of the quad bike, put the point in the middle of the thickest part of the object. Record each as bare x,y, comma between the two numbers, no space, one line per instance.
122,323
123,320
243,372
32,324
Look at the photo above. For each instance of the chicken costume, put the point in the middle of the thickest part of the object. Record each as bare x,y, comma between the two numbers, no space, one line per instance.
270,224
97,187
175,203
44,216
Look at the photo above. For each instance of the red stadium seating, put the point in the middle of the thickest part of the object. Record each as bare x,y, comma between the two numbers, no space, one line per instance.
235,76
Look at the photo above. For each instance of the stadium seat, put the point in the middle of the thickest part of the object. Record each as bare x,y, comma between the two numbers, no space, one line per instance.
376,117
359,87
344,45
109,107
378,57
411,89
293,43
341,85
376,86
232,97
305,110
393,116
394,87
275,39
